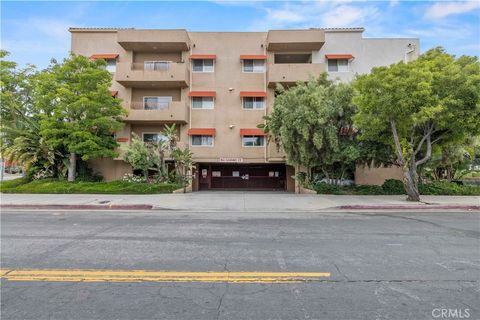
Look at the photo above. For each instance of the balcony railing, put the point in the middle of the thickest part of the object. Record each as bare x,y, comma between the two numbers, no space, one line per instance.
170,112
150,105
141,74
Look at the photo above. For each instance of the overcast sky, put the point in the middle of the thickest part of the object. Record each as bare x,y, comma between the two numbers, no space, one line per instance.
36,31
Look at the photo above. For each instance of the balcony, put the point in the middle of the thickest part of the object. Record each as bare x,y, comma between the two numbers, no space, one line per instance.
173,112
295,40
153,40
289,73
144,75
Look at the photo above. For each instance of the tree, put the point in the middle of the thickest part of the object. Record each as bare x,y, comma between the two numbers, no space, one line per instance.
312,123
140,155
20,129
416,105
78,111
183,163
165,145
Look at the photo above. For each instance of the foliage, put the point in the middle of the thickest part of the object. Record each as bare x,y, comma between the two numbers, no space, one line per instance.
393,186
183,162
435,188
76,109
449,188
20,129
61,186
308,120
140,155
130,177
416,105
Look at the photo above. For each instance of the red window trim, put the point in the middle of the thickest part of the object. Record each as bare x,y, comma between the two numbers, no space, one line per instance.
338,56
104,56
253,57
252,132
203,56
202,93
253,94
201,132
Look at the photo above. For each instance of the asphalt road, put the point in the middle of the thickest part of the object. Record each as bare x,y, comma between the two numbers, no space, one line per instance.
383,265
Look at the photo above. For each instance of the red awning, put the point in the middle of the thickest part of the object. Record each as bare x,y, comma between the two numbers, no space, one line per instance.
253,94
114,93
104,56
203,56
338,56
122,139
252,132
201,132
202,94
253,57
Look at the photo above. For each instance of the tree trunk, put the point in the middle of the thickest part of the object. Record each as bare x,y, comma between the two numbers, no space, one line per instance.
410,181
72,167
185,170
145,174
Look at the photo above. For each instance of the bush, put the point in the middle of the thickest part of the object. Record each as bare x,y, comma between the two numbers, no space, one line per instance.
448,188
325,188
366,189
393,186
64,187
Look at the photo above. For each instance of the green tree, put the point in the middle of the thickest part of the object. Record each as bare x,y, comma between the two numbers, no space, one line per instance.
140,155
416,105
312,123
79,114
19,128
183,163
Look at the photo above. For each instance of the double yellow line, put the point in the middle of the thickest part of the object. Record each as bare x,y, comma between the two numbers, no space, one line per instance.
89,275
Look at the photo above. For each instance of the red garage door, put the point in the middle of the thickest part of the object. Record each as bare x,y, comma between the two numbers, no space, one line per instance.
242,177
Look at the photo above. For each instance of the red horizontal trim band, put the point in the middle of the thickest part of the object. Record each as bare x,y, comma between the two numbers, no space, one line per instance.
253,94
203,56
122,139
104,56
201,132
114,93
253,57
338,56
202,94
252,132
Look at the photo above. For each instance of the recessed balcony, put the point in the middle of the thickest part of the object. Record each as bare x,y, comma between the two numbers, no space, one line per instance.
152,75
170,112
154,40
289,73
295,40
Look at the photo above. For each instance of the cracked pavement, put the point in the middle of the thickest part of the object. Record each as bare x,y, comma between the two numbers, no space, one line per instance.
383,265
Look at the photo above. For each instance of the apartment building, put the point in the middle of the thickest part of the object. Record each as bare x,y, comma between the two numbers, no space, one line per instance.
217,87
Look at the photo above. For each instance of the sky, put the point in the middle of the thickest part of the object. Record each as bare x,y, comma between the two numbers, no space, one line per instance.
37,31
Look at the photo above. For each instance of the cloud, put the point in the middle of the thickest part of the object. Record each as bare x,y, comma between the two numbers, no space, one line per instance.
347,15
307,14
444,9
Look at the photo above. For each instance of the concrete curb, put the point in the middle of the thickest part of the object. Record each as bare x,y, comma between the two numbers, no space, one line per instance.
407,206
79,206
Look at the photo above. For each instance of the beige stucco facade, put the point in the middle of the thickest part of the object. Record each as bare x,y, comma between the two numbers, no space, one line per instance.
287,55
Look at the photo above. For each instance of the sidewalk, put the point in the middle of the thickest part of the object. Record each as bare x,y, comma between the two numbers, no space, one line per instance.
234,201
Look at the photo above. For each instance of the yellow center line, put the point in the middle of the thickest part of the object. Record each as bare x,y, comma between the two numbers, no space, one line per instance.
97,275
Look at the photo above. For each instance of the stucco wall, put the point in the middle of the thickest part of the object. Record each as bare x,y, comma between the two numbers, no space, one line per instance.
376,176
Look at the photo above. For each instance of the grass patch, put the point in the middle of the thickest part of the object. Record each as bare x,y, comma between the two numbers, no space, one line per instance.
57,186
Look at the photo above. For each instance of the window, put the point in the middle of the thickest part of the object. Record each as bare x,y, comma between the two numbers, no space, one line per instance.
338,65
203,65
156,103
156,65
202,140
202,103
251,103
111,65
253,66
153,137
253,141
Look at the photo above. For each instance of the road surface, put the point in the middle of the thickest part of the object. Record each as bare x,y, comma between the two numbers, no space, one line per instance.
372,265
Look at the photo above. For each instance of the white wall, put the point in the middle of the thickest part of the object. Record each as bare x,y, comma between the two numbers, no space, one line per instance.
368,53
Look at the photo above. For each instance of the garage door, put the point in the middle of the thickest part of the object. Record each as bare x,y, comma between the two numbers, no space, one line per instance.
242,177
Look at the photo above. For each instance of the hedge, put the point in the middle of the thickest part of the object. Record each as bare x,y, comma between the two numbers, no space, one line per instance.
395,187
59,186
